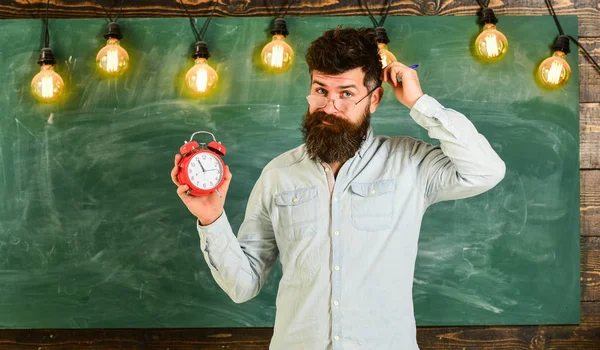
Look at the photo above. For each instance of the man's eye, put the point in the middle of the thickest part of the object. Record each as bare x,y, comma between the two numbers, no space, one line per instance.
347,94
321,91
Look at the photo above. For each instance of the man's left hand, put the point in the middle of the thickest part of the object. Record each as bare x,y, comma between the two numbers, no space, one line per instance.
407,91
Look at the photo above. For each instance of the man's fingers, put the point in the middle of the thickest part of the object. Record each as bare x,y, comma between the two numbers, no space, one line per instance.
225,186
176,170
181,192
174,175
405,73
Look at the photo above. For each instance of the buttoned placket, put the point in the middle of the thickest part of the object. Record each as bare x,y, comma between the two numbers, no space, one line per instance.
336,331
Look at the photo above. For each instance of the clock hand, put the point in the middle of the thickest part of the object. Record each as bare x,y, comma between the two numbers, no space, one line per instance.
199,162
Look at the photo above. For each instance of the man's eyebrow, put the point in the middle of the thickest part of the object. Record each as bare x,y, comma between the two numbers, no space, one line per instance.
350,86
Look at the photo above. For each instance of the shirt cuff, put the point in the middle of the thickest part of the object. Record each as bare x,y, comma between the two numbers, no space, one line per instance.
214,230
427,106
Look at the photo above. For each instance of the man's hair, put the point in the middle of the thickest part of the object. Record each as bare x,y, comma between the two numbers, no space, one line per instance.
342,49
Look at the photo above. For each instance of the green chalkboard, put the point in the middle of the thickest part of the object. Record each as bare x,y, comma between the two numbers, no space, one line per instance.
92,233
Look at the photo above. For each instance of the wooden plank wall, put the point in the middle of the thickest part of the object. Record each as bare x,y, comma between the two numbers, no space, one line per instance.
584,336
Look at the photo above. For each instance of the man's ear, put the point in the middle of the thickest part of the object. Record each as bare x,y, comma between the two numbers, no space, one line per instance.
376,99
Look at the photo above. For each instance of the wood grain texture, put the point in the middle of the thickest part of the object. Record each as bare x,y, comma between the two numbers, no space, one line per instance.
590,270
589,76
590,202
589,125
585,336
588,11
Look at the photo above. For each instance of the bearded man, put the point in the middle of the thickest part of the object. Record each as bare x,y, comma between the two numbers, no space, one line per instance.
343,211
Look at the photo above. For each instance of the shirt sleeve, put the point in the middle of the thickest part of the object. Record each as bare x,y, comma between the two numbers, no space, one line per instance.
463,165
240,266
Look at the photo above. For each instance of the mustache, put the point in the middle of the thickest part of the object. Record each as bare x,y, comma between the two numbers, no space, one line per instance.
320,116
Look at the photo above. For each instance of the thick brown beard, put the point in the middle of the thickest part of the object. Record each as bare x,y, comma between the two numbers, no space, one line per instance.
337,142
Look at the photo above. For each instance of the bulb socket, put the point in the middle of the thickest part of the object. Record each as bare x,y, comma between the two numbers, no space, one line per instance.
201,50
487,16
114,31
279,27
46,57
382,36
561,44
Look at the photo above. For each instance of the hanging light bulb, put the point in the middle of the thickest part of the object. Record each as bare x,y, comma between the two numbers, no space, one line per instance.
554,71
201,79
491,45
277,56
47,85
112,59
382,40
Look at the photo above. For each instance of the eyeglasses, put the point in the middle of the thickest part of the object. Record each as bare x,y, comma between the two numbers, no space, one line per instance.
341,104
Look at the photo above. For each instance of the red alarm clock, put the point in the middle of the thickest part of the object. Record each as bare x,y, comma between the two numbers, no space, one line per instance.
201,167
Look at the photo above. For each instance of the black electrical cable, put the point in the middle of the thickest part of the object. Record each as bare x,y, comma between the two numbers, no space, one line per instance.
551,9
118,13
383,16
46,31
199,35
191,21
480,2
375,24
561,32
587,54
286,10
205,27
120,8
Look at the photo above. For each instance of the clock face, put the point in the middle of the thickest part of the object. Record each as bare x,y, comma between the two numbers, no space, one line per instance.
205,170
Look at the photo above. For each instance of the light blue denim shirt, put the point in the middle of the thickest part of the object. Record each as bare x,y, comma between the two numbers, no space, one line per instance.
348,244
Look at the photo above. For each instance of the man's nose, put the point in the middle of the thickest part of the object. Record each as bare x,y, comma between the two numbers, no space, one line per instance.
330,107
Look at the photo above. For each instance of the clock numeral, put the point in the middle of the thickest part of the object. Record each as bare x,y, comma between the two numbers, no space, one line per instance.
204,156
193,164
211,183
205,185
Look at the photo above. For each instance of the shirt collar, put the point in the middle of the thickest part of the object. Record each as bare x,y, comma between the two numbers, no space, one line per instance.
366,143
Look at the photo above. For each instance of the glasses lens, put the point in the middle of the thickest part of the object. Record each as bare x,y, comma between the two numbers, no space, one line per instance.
343,105
316,101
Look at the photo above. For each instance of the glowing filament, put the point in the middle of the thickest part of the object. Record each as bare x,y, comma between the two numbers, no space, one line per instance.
201,80
491,46
47,87
112,60
276,56
555,72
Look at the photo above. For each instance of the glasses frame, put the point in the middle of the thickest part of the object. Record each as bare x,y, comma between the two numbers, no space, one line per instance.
335,99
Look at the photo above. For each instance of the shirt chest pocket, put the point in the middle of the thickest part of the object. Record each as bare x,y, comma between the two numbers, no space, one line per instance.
373,204
298,212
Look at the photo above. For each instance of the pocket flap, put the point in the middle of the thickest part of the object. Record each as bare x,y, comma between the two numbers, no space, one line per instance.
296,196
372,189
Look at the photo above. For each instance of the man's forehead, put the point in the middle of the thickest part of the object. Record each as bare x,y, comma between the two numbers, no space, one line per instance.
351,77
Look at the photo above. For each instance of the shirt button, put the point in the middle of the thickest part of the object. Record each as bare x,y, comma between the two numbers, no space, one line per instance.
372,191
337,233
326,170
337,337
337,268
335,199
336,303
294,199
